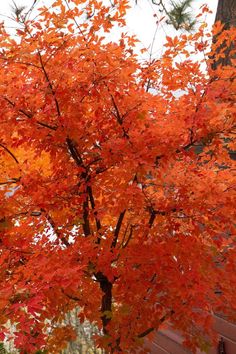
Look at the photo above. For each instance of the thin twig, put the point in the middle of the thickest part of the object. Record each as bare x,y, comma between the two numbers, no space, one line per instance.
10,153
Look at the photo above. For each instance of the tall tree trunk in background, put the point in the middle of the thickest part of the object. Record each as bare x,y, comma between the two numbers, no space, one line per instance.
226,13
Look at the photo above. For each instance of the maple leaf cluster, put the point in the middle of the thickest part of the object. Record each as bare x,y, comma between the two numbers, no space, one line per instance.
117,181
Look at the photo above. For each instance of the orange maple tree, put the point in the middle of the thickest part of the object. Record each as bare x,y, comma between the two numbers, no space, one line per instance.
117,181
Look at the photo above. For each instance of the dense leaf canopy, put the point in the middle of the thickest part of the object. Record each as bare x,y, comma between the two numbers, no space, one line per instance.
117,181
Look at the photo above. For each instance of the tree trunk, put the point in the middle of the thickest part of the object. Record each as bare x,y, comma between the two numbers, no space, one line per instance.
226,13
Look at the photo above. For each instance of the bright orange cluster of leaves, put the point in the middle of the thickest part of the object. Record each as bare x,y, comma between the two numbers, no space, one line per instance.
117,180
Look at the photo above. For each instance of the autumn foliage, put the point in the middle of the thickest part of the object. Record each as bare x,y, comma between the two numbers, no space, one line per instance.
117,180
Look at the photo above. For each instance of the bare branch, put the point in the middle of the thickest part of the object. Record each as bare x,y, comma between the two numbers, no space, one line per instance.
71,297
55,229
49,83
10,153
92,201
151,329
117,229
125,244
145,333
30,115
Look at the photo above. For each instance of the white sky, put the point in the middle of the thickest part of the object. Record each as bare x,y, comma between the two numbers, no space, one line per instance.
140,20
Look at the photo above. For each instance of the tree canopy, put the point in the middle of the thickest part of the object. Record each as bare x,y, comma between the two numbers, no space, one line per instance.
117,183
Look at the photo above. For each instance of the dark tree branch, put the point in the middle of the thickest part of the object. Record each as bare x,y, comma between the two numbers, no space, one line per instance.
45,125
152,218
117,229
77,24
71,297
10,181
145,333
30,115
151,329
153,214
49,83
74,152
84,175
124,236
118,115
10,153
92,201
21,62
55,229
86,224
125,244
106,287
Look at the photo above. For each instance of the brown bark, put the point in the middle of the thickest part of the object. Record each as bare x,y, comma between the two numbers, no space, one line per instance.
106,306
226,13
